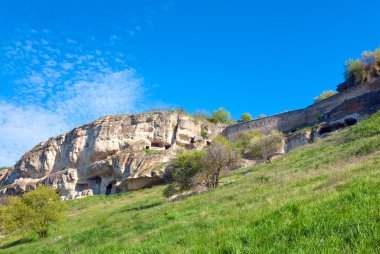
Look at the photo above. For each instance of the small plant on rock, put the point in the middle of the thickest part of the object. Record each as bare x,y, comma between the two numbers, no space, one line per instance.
324,95
246,117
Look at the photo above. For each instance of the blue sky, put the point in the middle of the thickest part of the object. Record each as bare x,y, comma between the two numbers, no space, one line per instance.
64,63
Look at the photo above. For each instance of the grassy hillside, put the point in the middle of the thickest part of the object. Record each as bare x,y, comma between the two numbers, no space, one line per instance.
324,198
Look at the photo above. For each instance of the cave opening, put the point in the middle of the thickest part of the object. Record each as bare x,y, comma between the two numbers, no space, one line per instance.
331,128
109,189
350,121
157,144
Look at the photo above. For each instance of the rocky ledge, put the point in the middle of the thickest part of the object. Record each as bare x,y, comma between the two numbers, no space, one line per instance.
110,155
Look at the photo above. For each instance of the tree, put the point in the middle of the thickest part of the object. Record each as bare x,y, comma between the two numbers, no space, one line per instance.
192,168
182,170
246,117
264,147
219,156
220,116
324,95
37,210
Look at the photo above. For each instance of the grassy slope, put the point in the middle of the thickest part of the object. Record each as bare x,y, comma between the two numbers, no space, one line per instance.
324,197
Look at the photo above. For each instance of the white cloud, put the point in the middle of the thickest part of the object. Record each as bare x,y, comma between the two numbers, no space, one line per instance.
114,93
69,87
21,128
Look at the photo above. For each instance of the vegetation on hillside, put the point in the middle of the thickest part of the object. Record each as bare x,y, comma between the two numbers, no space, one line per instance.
324,95
246,117
220,116
263,147
37,210
364,69
203,167
322,197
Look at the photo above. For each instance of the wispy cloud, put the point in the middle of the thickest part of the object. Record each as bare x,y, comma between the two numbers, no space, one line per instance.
57,86
22,127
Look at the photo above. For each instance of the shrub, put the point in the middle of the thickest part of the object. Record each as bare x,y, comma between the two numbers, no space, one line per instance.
220,116
246,117
219,156
182,170
201,167
357,69
37,210
248,136
364,69
262,116
204,133
264,147
324,95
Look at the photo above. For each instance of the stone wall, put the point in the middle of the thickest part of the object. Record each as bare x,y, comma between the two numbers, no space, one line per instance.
362,100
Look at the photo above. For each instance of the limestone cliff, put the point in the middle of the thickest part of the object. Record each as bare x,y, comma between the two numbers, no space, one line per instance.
110,155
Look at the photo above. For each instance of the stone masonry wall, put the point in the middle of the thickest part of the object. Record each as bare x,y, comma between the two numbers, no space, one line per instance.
365,97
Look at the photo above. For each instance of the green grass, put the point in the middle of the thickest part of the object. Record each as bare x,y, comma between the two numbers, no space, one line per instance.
320,198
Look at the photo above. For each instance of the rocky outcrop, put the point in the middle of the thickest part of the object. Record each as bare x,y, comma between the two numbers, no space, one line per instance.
110,155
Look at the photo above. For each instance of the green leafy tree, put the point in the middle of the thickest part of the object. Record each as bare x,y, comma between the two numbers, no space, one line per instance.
182,170
220,116
246,117
264,147
324,95
37,210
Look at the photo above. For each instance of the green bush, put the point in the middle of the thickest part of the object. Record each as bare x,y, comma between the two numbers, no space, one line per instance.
201,167
246,117
324,95
204,133
262,147
220,116
37,210
364,69
182,170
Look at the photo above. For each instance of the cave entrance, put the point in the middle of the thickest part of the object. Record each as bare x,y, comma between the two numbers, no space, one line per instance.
331,128
157,144
350,121
109,189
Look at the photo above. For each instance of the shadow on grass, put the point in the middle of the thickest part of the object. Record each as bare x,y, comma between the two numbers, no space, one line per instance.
17,242
143,207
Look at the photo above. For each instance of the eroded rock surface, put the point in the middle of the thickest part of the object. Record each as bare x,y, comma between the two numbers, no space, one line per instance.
110,155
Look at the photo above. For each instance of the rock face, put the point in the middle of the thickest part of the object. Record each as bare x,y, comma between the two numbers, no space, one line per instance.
110,155
359,102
